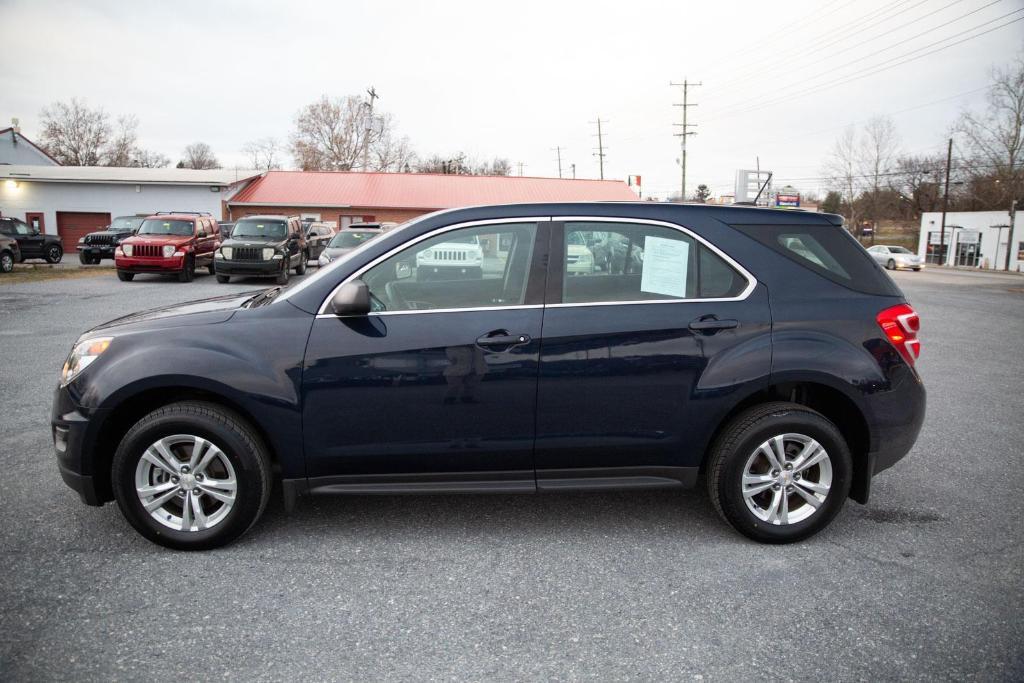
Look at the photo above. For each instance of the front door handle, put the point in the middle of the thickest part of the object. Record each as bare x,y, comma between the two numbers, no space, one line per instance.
712,324
502,338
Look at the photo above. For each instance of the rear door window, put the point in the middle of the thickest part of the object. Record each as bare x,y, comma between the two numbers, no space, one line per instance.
829,251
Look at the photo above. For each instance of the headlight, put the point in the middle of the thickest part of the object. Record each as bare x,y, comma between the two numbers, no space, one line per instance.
325,258
81,240
425,254
168,250
127,249
82,356
268,253
226,251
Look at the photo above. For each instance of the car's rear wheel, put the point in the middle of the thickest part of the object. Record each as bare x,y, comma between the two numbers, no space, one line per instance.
779,472
54,253
125,277
891,265
191,476
6,262
188,271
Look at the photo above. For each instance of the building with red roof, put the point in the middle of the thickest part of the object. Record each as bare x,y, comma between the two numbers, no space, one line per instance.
353,197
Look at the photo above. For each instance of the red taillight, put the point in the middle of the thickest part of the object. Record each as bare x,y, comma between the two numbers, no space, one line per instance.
901,325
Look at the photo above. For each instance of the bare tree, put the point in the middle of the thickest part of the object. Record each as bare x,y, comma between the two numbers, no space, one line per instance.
198,155
877,152
263,154
994,139
393,154
145,158
461,164
842,172
916,180
124,150
74,134
330,134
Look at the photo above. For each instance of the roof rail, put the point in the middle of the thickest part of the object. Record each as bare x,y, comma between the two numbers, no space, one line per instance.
183,213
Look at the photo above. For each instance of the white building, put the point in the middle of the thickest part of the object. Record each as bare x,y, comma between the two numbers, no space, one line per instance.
71,201
17,149
972,238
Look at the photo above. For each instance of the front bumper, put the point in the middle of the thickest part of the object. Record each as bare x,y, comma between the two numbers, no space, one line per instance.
101,250
73,441
426,272
131,264
250,268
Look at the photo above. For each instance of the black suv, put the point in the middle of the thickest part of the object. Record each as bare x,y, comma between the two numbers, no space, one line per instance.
31,242
263,246
762,354
96,246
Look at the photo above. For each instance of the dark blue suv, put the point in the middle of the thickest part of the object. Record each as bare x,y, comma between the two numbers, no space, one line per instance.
575,346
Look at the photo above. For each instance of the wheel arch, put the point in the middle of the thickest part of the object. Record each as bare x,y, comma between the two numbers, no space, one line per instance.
832,402
132,408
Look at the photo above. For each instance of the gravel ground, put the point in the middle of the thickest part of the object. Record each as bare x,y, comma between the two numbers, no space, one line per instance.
924,583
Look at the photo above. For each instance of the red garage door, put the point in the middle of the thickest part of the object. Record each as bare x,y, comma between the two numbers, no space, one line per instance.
71,226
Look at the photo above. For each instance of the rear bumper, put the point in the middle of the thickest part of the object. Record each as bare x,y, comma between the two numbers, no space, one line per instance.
129,264
250,268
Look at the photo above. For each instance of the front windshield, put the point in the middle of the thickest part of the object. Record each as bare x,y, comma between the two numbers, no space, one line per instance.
348,239
126,223
900,250
260,229
155,226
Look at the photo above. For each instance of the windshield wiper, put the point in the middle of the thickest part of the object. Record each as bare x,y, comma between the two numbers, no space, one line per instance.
264,297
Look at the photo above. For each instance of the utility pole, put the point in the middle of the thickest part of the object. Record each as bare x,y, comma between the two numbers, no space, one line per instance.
520,164
686,104
574,171
1009,237
945,205
558,150
372,92
600,145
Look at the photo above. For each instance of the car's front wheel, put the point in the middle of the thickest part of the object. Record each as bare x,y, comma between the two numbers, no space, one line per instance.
188,270
125,276
6,262
191,476
779,472
891,265
54,253
300,269
282,277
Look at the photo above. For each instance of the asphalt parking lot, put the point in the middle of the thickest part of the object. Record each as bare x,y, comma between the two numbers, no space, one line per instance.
924,583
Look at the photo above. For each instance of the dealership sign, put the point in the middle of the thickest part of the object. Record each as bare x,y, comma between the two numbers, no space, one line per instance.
787,200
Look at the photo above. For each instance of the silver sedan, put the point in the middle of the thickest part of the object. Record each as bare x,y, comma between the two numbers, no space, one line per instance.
895,258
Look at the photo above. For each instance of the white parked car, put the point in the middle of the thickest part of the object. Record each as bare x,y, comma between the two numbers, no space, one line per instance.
895,258
460,259
578,257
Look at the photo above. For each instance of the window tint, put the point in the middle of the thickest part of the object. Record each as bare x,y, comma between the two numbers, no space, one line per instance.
466,268
156,226
20,228
637,262
827,250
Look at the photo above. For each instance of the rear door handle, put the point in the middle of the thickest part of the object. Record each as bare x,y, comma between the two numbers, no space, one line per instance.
712,324
502,338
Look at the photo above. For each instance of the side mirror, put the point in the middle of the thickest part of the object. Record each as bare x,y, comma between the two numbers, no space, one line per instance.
352,299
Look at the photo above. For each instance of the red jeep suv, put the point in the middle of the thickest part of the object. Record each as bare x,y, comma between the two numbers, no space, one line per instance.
169,242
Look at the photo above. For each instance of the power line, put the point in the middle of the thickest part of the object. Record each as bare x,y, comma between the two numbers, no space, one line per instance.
880,67
685,132
600,146
895,45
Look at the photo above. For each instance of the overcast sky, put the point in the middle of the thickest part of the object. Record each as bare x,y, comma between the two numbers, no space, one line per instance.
517,79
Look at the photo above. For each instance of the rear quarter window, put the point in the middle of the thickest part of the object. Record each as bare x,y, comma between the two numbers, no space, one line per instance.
829,251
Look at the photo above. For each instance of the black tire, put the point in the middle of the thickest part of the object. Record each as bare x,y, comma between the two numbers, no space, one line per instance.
738,441
6,261
917,270
301,268
235,438
282,277
54,253
188,271
125,277
84,258
223,279
210,269
891,265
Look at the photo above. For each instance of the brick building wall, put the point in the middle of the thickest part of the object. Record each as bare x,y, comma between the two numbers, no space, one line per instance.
328,214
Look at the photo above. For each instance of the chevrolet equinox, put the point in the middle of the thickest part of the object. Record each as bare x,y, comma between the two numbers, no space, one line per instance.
762,354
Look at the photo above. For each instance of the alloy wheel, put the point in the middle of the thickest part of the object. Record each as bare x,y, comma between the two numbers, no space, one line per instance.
787,479
186,483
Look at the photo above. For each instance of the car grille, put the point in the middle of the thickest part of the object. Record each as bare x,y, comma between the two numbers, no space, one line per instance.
247,254
147,250
99,239
445,255
572,259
